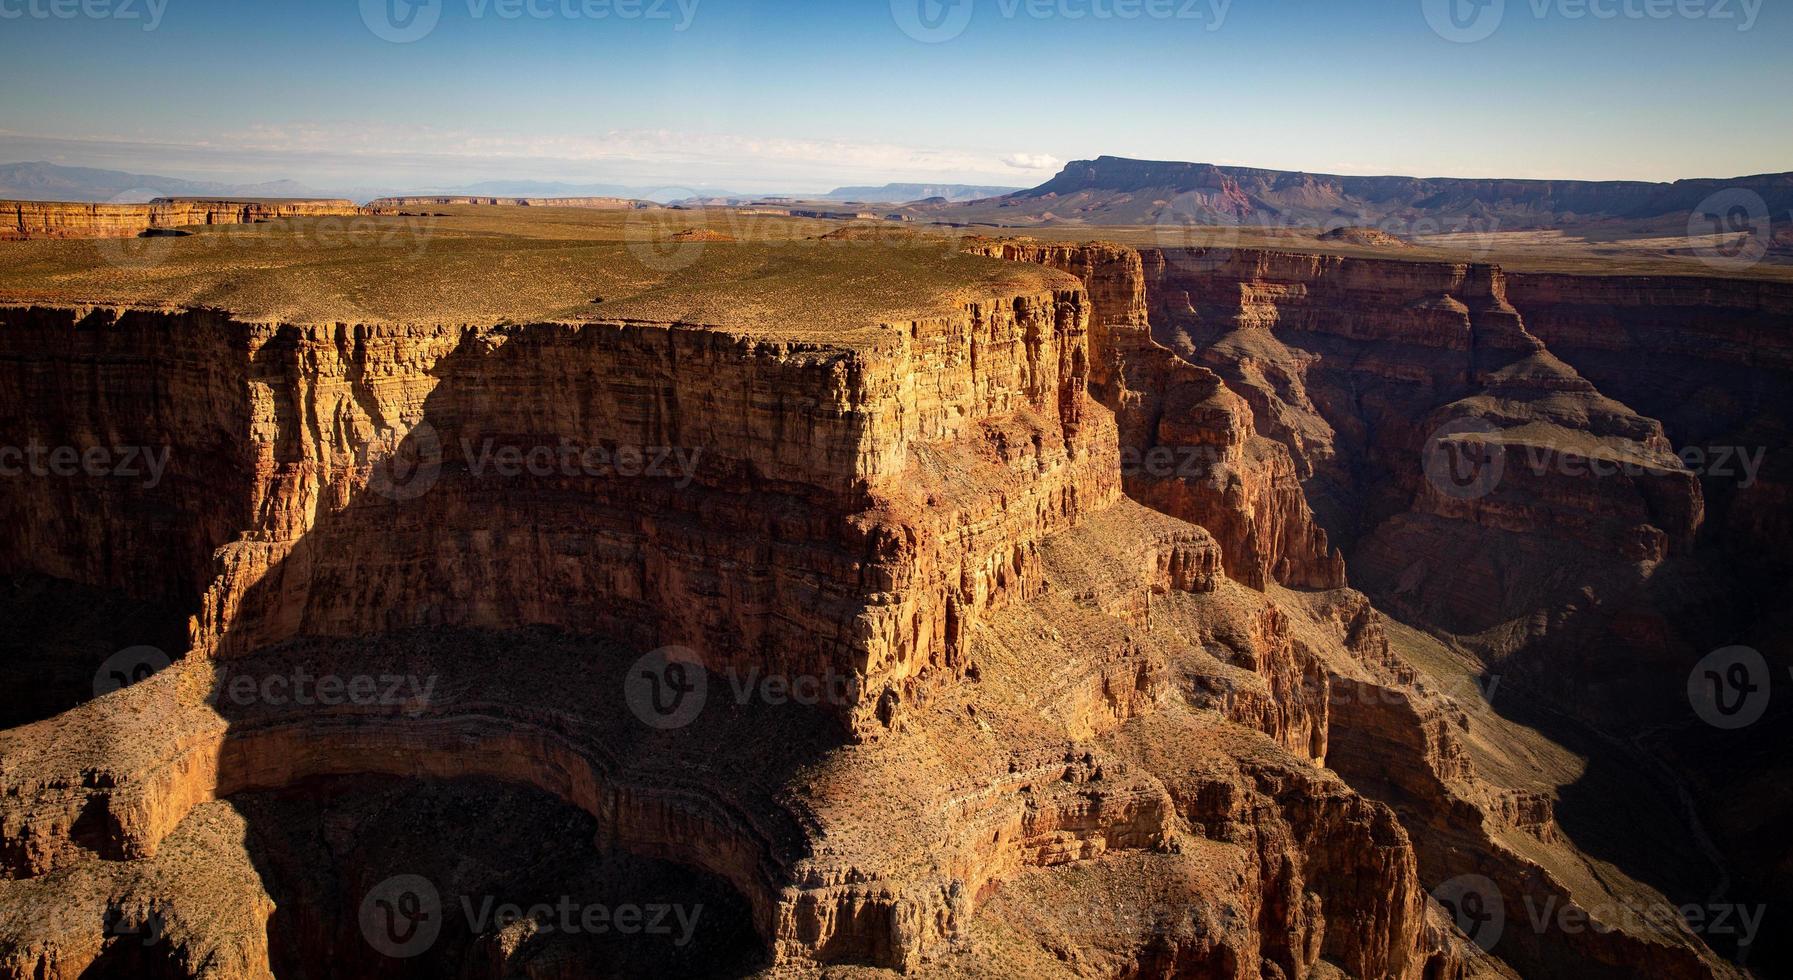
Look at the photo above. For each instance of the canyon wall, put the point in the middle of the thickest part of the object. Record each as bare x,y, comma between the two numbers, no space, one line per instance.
1187,444
1359,372
1432,431
57,219
1068,667
898,512
839,475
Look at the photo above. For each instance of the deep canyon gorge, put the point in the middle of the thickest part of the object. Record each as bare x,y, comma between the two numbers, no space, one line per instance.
1165,611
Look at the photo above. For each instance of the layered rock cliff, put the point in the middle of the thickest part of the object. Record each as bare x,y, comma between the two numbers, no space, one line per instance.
1366,375
1187,443
1093,718
56,219
926,514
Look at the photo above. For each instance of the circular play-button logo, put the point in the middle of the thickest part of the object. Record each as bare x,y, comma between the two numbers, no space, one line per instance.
402,916
1464,21
1475,903
667,688
401,21
931,21
1729,687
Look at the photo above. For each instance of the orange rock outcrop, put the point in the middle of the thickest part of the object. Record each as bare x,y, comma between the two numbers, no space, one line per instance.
1067,673
57,219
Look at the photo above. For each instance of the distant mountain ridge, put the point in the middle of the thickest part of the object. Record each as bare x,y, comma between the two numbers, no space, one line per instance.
1126,191
41,181
902,193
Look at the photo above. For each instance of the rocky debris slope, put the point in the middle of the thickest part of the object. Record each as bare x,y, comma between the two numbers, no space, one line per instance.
1359,371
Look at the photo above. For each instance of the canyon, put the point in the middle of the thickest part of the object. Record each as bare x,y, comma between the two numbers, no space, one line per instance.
1153,627
61,219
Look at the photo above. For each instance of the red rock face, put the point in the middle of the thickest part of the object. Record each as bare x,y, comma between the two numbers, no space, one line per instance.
1353,369
1070,672
56,219
1187,443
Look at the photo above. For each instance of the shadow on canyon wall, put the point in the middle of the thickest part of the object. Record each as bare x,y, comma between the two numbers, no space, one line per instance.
513,613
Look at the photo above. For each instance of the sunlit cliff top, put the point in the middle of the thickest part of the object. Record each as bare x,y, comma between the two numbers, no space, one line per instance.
485,265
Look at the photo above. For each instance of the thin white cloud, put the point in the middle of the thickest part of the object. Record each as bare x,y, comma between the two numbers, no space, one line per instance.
309,150
1032,161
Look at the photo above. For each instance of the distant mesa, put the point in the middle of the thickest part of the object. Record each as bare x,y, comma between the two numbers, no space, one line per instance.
1373,237
868,233
66,219
1118,190
383,204
899,193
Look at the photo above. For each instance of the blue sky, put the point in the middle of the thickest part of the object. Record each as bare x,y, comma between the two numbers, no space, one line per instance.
760,95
